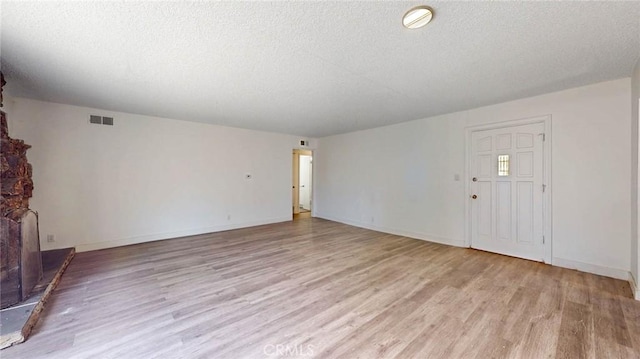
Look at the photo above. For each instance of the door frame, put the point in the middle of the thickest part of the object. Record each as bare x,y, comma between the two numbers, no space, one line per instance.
295,179
546,196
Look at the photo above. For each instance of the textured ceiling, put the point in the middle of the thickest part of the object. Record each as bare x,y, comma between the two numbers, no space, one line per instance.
309,68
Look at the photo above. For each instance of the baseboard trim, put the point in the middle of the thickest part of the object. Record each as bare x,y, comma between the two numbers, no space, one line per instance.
397,232
591,268
634,286
85,247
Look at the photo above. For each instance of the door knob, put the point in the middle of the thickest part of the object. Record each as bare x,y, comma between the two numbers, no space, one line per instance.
474,196
474,179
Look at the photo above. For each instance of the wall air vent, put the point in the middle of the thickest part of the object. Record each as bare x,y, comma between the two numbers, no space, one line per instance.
101,120
96,120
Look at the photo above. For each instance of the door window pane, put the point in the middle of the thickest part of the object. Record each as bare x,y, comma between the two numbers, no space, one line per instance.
503,165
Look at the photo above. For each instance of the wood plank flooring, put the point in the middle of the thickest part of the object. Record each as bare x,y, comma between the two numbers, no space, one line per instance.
315,288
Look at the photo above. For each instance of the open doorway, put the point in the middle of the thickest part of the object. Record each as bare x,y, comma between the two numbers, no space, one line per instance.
302,187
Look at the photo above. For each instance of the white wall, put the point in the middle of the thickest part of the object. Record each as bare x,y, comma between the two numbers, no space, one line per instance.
400,178
635,120
147,178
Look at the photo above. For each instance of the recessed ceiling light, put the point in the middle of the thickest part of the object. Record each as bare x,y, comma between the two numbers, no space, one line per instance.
417,17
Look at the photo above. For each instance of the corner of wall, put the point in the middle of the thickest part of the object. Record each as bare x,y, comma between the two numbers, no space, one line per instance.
635,179
635,291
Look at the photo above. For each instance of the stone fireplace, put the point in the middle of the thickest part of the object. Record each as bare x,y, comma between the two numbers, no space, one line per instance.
20,259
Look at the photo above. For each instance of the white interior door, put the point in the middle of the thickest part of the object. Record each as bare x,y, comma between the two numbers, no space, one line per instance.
506,185
305,182
295,192
302,193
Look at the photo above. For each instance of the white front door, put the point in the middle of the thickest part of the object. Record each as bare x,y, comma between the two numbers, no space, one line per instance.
506,187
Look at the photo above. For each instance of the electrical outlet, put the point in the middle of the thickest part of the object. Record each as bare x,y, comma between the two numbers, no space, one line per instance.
51,238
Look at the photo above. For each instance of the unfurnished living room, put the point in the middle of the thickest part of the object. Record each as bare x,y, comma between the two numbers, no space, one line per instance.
319,179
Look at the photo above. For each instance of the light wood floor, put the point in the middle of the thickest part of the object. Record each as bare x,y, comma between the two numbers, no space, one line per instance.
322,289
301,215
